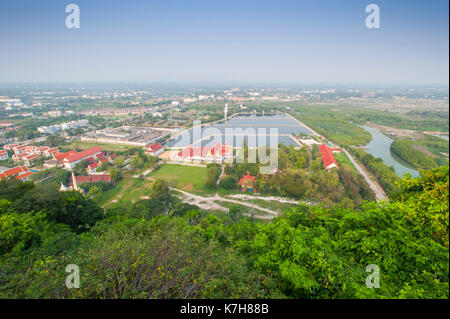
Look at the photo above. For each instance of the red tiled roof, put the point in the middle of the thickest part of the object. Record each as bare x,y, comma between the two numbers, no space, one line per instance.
154,147
14,171
60,156
92,178
83,179
93,165
24,175
246,178
2,152
81,155
101,178
33,156
327,156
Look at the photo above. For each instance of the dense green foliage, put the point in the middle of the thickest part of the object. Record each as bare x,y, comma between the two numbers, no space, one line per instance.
301,175
310,252
406,151
335,126
385,174
413,120
423,153
213,174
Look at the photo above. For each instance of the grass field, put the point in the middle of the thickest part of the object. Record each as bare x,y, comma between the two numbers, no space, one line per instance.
188,178
343,160
128,189
81,145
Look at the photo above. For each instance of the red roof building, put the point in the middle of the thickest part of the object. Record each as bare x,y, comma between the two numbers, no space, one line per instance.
92,168
17,171
60,156
217,153
3,155
73,159
246,182
154,149
30,158
92,178
327,157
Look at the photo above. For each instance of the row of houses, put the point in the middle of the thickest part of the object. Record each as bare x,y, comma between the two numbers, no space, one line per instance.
20,172
63,127
94,156
212,154
26,154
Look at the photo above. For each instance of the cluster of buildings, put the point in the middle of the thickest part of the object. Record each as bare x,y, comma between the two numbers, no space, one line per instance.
26,154
127,135
327,156
124,111
216,154
20,172
63,127
94,156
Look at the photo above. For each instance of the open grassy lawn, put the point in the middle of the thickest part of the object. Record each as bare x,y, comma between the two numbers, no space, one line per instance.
128,189
188,178
81,145
343,160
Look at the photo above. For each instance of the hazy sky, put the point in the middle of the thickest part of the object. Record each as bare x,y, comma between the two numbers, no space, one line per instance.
228,41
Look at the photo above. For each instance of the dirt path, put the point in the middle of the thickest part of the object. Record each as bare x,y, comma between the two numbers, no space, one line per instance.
267,198
209,203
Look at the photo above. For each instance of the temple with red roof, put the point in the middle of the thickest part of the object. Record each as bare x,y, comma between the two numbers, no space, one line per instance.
70,161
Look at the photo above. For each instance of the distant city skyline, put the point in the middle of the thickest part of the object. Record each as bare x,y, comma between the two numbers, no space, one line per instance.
226,43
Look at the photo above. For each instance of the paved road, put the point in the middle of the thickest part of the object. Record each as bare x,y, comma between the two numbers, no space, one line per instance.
377,189
379,192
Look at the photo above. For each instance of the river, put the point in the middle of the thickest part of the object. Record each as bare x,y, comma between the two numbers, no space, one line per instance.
380,146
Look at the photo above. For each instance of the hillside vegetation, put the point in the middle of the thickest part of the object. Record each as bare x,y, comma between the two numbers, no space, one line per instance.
310,252
423,153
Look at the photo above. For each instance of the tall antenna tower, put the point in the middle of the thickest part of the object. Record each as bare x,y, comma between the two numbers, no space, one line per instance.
225,111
